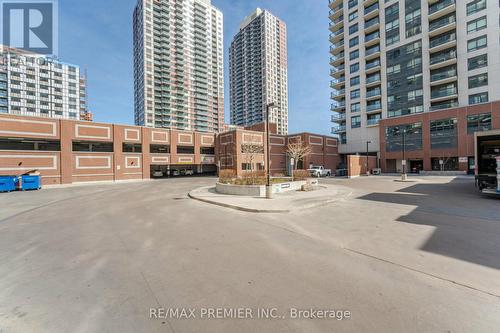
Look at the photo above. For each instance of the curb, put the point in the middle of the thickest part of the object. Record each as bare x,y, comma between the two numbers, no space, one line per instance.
268,211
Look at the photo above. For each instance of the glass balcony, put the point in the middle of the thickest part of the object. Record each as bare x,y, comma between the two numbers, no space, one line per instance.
443,56
372,64
339,117
442,22
373,106
372,22
372,36
337,93
337,105
373,92
434,8
447,92
444,74
372,50
371,8
372,78
442,39
338,129
336,34
372,121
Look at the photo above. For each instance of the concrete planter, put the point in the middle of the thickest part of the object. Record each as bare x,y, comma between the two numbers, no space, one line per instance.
260,190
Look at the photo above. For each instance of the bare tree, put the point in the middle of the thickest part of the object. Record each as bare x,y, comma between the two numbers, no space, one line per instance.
250,151
298,150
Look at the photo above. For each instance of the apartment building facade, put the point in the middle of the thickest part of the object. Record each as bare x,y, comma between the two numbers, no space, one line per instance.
396,58
259,71
34,85
178,65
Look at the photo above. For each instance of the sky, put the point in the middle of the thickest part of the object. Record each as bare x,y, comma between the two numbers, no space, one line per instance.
97,36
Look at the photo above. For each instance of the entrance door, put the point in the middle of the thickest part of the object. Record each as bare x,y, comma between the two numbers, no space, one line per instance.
416,166
472,166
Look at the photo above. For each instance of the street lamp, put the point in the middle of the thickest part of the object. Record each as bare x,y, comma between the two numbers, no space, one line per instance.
367,158
269,189
403,175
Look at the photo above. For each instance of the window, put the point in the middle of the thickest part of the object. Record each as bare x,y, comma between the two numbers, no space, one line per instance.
29,144
207,150
354,81
352,3
132,148
394,24
389,40
185,150
353,41
478,62
353,29
476,25
475,6
394,69
355,94
478,98
159,149
353,16
478,80
355,107
444,133
246,166
477,43
411,133
354,68
85,146
354,55
356,122
444,163
478,123
392,10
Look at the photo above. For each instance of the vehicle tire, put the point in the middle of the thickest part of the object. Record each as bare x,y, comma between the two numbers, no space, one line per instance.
328,174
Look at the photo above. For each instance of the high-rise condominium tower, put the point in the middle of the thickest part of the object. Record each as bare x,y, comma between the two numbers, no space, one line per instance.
34,85
258,71
396,58
178,65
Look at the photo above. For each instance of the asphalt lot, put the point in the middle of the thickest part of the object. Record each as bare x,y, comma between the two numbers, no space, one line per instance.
400,257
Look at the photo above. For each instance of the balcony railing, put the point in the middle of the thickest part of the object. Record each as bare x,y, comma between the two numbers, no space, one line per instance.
440,5
373,106
443,92
338,129
337,21
442,40
444,75
439,23
372,64
336,33
337,81
372,50
371,79
337,69
336,9
373,93
336,45
440,57
338,93
372,36
371,22
338,117
371,122
338,105
371,8
337,57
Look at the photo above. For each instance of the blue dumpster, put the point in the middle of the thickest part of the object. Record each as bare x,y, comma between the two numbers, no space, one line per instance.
30,183
8,183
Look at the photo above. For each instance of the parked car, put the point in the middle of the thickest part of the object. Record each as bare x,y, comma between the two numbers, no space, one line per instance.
175,173
157,174
188,172
320,171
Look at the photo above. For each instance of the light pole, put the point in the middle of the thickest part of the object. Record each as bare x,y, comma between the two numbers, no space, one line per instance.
367,158
403,175
269,189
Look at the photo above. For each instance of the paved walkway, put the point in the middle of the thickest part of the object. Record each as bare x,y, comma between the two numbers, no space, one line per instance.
281,203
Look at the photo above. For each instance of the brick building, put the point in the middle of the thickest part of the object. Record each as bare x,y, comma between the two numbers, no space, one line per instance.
431,137
66,151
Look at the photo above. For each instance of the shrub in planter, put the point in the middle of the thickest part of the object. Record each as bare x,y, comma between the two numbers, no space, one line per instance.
252,178
226,176
301,175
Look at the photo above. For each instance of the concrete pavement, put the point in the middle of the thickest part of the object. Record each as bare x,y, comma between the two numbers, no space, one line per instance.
400,257
280,203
